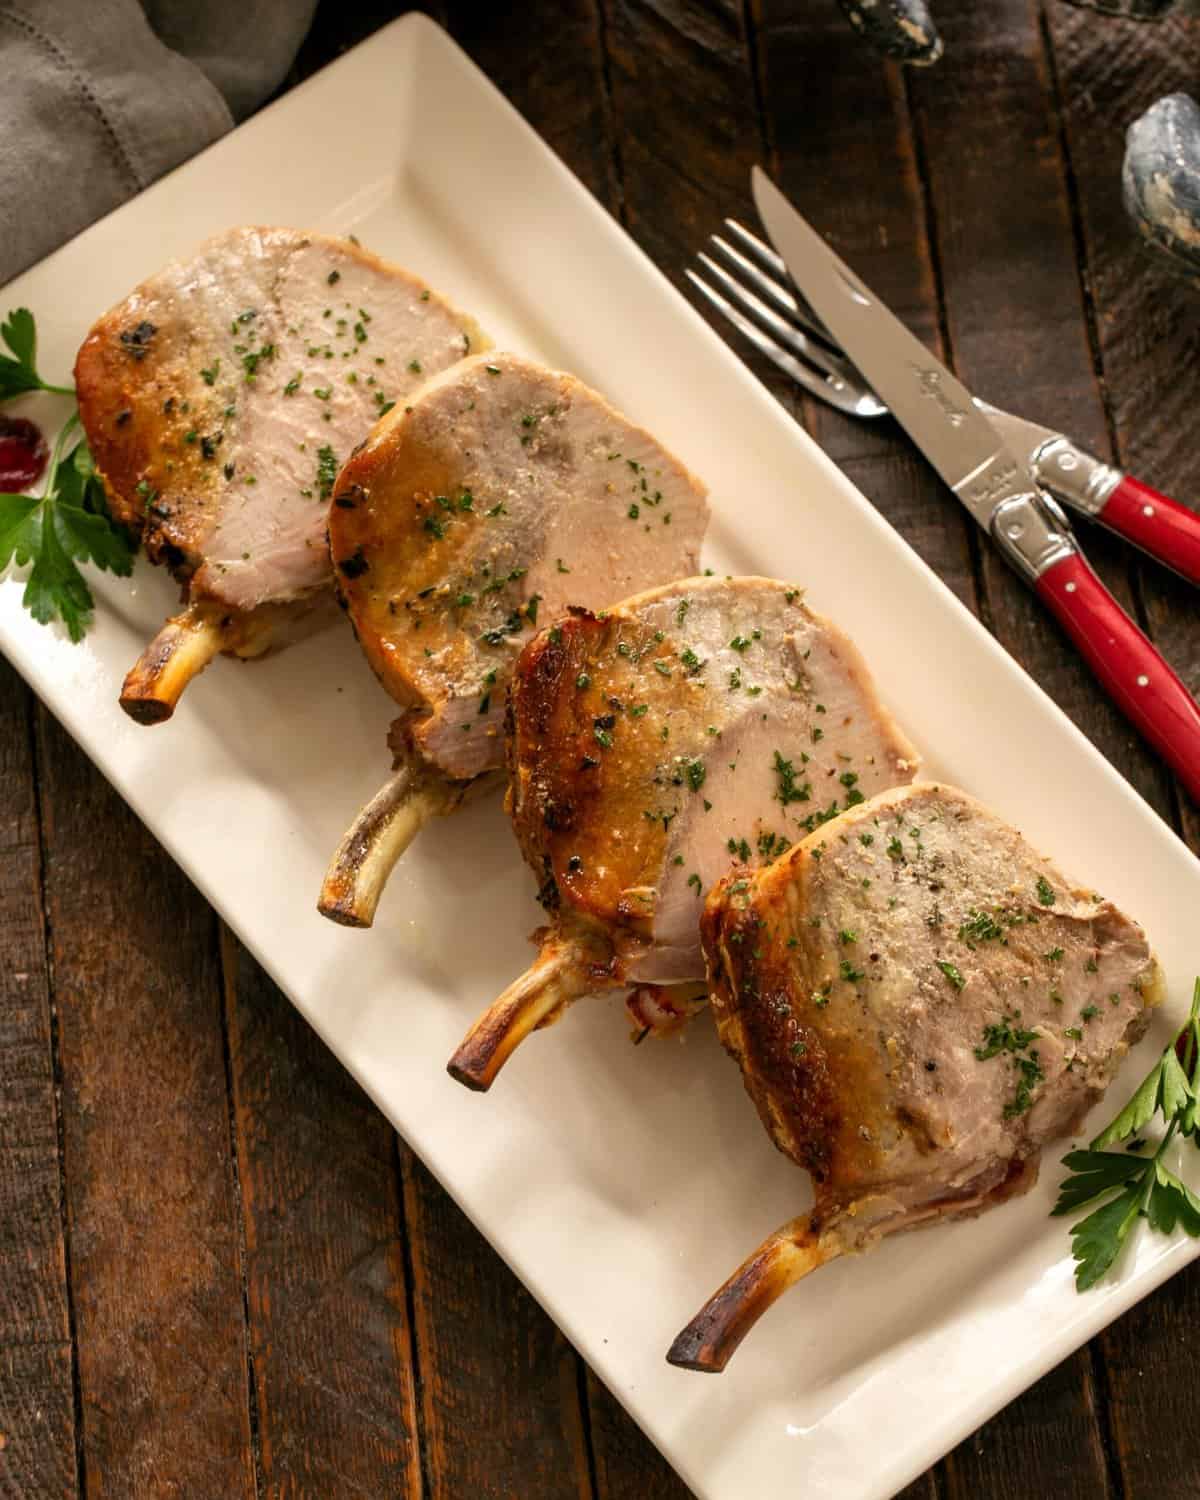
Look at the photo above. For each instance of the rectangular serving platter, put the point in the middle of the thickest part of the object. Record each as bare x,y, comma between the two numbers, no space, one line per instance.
621,1184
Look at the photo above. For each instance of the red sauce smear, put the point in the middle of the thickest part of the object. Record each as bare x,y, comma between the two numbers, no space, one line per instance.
23,455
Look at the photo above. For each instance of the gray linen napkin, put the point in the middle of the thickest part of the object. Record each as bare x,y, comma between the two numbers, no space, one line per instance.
100,97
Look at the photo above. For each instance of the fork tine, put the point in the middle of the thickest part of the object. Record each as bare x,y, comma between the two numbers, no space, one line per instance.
784,332
774,263
757,248
769,289
830,388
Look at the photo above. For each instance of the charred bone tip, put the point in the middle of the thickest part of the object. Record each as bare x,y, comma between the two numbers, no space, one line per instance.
375,841
561,973
180,651
710,1340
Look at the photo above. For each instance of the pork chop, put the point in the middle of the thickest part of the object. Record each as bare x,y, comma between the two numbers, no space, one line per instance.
219,400
707,724
919,1001
498,495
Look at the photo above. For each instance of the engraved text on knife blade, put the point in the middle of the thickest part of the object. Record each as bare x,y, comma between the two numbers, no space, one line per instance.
930,381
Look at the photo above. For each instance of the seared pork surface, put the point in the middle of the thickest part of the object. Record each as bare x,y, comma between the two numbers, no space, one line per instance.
222,395
496,496
657,744
502,493
919,1001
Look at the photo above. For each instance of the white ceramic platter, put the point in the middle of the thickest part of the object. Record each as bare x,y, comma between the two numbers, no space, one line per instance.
622,1185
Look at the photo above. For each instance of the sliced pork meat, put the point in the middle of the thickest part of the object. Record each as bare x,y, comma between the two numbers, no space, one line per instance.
919,1001
652,746
501,493
220,399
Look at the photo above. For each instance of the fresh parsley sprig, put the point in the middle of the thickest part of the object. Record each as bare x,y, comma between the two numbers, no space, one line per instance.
1142,1185
18,368
68,522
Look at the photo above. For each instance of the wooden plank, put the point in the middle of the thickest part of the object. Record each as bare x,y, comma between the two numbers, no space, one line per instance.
1147,322
684,120
500,1384
155,1274
1054,1431
843,150
687,129
1015,313
1147,329
628,1466
547,60
37,1417
330,1342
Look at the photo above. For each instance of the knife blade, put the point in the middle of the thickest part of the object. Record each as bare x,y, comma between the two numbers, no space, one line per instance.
993,479
934,407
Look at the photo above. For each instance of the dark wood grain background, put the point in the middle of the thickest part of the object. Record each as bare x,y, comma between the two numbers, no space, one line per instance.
221,1275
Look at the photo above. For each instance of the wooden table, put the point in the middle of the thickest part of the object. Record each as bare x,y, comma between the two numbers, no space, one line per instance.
221,1275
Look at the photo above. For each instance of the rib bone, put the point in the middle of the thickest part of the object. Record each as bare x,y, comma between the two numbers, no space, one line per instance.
383,830
564,970
180,651
711,1338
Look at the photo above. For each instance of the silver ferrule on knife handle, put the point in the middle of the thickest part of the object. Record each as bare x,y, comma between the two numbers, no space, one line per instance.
1031,535
1083,481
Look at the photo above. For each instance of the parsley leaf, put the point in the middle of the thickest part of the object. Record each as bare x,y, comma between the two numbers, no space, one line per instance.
67,524
18,368
1144,1186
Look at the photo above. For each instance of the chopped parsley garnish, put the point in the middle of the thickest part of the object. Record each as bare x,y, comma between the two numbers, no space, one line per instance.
981,927
327,468
1045,891
952,973
787,791
1003,1037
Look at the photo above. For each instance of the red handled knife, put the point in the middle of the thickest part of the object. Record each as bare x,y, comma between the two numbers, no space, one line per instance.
987,460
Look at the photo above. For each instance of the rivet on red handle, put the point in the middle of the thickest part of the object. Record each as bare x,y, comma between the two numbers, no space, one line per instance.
1131,670
1156,524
